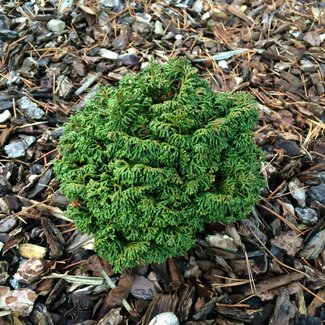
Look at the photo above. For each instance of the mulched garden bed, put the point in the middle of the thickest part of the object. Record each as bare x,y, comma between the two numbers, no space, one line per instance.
267,269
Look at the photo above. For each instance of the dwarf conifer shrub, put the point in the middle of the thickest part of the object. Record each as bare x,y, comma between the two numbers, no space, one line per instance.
153,160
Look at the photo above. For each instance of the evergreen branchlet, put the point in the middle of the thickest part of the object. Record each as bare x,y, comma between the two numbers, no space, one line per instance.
154,159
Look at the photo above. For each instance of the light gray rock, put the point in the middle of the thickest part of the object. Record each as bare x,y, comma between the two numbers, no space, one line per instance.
17,148
56,25
308,66
30,108
107,54
298,192
110,3
7,34
198,6
167,318
159,30
307,215
221,241
5,116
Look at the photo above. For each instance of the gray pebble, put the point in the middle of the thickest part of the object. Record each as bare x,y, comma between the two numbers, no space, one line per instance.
6,34
159,30
308,66
56,25
317,193
167,318
30,108
110,3
307,215
5,116
17,148
107,54
7,224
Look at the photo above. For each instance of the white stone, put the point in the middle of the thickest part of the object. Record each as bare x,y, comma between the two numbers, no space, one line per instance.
56,25
198,6
159,30
167,318
206,16
295,33
308,66
17,148
221,241
5,116
107,54
282,66
110,3
30,108
223,64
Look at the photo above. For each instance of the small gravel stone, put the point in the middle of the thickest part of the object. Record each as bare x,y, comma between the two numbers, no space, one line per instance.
142,288
298,192
107,54
110,3
7,224
56,25
221,241
308,66
167,318
223,64
308,216
30,108
282,66
5,116
7,34
317,193
198,6
159,30
17,148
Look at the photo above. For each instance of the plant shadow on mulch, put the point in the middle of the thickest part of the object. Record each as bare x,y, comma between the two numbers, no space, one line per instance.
267,269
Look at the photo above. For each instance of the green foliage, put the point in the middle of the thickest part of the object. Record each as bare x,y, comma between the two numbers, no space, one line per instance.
155,159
